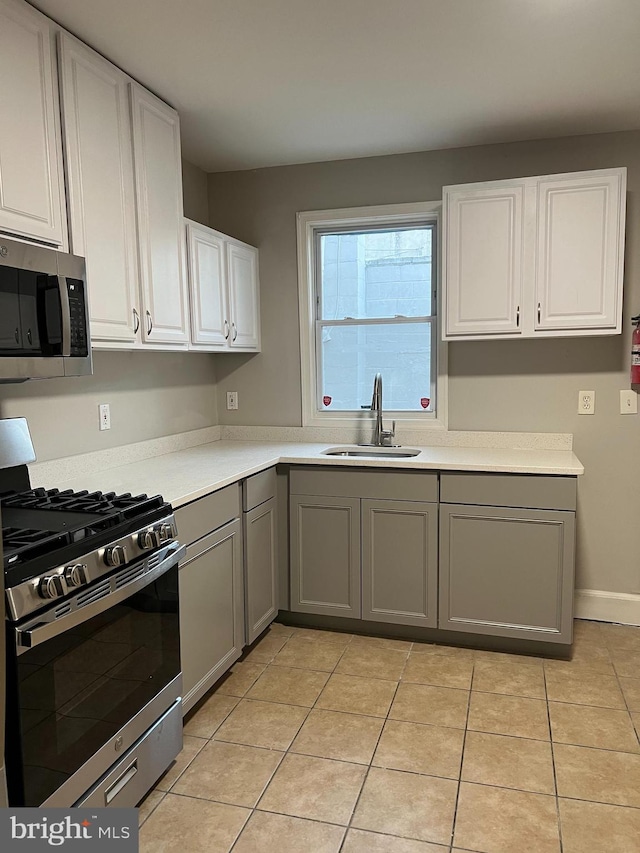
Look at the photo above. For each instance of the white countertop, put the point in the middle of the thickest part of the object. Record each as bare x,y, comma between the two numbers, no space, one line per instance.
185,475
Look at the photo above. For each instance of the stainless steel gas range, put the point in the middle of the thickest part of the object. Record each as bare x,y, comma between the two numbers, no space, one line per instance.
93,683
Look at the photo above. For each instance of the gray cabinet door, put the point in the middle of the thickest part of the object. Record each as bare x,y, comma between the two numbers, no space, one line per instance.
261,568
400,562
325,555
507,572
211,610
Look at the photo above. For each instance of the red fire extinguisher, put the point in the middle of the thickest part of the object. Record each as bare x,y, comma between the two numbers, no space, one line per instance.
635,352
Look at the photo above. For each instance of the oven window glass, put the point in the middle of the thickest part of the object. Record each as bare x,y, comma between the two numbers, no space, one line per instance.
77,690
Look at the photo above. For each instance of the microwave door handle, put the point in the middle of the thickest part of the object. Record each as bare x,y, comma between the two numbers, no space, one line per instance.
29,638
65,313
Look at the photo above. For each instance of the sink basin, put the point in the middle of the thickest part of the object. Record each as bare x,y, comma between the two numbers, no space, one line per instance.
372,452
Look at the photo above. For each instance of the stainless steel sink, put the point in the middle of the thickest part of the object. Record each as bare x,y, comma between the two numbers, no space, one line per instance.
373,452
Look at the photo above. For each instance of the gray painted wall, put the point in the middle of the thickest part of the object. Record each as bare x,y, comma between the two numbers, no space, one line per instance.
498,385
151,393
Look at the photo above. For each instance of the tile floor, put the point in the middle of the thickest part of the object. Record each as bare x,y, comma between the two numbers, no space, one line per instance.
319,742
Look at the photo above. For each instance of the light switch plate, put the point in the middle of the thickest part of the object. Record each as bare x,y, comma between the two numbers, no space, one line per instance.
105,416
628,403
232,400
586,402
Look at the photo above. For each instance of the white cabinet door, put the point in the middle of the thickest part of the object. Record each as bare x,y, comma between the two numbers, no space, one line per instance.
483,258
97,133
210,325
31,173
158,181
244,297
580,250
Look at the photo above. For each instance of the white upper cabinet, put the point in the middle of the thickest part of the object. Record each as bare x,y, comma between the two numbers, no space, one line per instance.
99,160
244,296
580,251
224,288
158,181
31,172
534,257
484,233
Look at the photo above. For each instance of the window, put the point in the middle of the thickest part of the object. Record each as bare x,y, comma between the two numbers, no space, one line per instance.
368,305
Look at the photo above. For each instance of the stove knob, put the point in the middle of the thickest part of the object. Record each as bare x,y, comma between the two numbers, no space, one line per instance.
50,587
148,539
167,531
115,556
76,575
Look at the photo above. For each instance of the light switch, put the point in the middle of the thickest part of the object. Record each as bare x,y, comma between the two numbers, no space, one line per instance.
628,403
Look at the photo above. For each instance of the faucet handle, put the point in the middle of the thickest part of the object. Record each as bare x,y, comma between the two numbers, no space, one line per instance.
387,434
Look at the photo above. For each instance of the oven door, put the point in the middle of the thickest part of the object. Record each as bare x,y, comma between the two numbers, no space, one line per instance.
88,677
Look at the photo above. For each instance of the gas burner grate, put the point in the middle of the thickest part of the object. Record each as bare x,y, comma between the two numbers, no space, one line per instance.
102,503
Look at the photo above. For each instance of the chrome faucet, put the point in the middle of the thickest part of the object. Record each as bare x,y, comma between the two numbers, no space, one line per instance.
381,437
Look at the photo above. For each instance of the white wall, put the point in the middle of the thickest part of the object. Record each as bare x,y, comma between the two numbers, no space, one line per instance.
499,385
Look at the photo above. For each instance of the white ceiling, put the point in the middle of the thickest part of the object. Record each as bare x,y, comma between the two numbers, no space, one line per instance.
271,82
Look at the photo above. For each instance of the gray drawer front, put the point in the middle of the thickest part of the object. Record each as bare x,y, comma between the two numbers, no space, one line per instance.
364,483
258,489
516,490
206,514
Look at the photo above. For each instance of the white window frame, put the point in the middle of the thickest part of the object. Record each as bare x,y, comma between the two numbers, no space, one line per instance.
308,223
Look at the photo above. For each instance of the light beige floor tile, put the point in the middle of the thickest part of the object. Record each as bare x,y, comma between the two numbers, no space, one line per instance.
266,648
332,734
191,746
597,774
240,679
309,654
449,651
584,725
197,826
265,724
626,662
635,717
436,706
266,832
405,804
381,642
511,679
432,750
361,841
229,773
315,788
508,762
631,691
620,636
584,658
583,629
499,820
485,659
353,695
289,686
597,828
210,715
149,803
277,628
336,637
370,662
585,689
438,670
508,715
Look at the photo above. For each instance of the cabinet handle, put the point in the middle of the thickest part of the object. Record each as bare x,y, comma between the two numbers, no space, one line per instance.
17,335
136,320
226,330
518,317
538,312
150,323
235,331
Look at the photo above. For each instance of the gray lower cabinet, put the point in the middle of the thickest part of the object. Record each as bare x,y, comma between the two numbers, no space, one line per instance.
211,609
507,572
325,555
261,567
400,562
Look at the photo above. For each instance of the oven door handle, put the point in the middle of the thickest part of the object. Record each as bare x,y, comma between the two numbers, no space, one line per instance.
29,638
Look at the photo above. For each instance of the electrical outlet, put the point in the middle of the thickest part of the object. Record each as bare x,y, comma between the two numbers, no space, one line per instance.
586,402
232,400
628,403
105,416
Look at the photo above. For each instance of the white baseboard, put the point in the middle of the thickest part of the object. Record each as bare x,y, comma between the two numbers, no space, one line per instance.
606,606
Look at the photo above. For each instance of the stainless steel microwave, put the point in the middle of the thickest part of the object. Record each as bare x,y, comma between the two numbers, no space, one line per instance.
44,317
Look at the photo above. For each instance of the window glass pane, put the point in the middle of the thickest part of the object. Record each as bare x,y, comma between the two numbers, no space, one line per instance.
376,274
351,355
